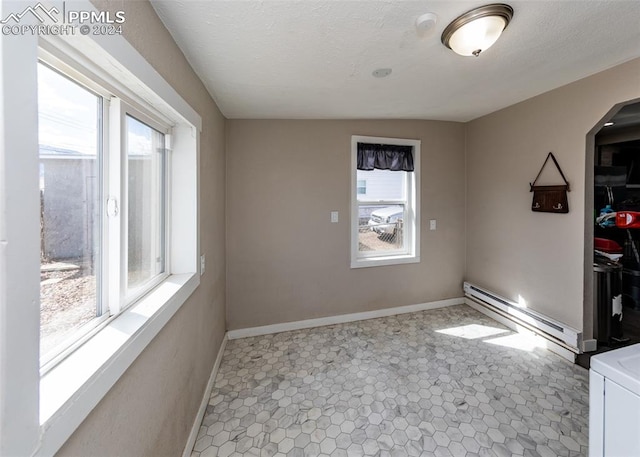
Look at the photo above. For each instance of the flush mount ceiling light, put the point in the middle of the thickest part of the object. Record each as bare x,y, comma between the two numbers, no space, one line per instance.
476,30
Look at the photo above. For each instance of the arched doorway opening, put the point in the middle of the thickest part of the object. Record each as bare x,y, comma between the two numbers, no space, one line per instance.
612,177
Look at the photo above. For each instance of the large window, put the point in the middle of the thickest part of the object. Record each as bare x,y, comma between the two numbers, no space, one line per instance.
70,125
384,195
103,206
99,238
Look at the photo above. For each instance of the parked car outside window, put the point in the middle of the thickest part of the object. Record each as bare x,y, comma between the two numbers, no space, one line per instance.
384,221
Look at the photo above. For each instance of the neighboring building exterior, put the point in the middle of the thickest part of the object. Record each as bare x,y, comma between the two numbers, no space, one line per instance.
68,193
375,186
70,196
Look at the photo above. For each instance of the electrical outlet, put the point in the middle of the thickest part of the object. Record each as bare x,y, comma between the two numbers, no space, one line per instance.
202,264
334,217
432,224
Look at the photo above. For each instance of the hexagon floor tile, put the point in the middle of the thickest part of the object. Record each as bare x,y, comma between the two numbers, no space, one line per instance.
446,382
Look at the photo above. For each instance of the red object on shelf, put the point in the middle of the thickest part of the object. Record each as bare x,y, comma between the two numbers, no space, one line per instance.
608,246
628,219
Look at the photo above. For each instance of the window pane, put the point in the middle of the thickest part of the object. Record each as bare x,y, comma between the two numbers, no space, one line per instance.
146,208
380,228
69,138
382,185
362,187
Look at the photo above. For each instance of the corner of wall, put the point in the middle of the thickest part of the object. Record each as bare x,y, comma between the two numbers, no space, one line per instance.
226,221
466,193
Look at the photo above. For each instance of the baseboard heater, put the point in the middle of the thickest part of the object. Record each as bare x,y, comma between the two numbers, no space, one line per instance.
557,333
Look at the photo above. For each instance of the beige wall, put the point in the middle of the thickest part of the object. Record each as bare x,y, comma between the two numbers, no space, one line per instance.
287,262
151,409
510,249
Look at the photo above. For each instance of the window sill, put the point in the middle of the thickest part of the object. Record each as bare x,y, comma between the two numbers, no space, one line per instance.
384,260
70,390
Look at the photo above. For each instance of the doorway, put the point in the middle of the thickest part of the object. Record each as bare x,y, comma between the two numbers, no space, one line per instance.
612,231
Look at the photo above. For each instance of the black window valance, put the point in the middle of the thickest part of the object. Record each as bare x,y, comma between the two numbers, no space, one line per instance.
385,157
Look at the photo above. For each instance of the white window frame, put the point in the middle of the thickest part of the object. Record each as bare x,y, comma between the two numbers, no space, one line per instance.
410,252
39,413
77,336
113,166
123,110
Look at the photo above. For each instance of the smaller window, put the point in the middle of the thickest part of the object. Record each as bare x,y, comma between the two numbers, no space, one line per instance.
384,201
146,156
362,186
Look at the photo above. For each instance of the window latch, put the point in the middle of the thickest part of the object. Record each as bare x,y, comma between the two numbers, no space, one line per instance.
112,207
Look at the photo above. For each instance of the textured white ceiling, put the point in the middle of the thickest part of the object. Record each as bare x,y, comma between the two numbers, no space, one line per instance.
313,59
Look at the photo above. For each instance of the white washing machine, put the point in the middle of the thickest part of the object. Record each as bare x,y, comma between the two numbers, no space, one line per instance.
614,403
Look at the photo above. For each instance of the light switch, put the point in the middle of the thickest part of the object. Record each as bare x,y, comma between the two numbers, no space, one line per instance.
334,217
432,224
202,264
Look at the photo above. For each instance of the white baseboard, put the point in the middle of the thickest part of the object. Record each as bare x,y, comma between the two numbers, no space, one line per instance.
508,322
193,436
340,319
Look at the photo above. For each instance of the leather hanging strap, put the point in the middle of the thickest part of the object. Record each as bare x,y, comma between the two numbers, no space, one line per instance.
557,166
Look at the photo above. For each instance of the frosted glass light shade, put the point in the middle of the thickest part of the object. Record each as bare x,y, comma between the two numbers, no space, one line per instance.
477,30
477,36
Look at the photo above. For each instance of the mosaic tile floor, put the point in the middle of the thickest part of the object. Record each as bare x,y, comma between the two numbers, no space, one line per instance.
445,382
